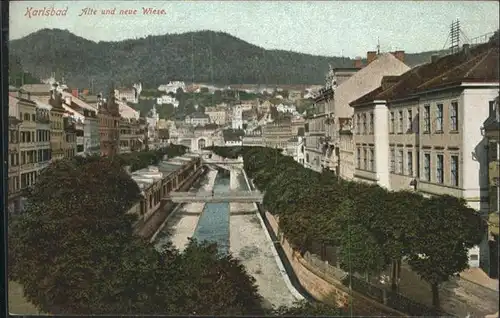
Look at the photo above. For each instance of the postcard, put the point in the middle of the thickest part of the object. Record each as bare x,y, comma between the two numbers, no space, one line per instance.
253,158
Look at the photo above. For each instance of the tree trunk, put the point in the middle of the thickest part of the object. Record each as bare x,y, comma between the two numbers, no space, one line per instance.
435,295
393,275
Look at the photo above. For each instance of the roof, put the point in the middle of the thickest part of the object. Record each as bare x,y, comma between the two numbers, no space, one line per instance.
198,115
364,81
233,134
479,65
80,103
37,88
126,111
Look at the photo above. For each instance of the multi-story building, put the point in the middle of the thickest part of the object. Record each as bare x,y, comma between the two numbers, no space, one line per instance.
237,118
253,138
87,126
43,132
109,125
57,137
298,124
14,173
167,99
197,119
130,95
346,85
426,129
277,133
295,149
233,137
217,115
492,132
314,141
131,135
28,144
69,142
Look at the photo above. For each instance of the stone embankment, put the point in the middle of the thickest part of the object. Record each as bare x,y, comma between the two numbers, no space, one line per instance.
181,224
249,243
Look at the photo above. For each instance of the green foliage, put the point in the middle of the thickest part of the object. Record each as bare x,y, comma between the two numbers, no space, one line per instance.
18,75
142,159
74,252
373,227
308,309
151,58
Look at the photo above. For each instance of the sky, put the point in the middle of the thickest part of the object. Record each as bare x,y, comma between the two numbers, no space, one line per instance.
331,28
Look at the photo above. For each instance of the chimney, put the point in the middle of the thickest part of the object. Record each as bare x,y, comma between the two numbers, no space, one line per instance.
466,49
370,56
434,58
68,100
358,63
400,55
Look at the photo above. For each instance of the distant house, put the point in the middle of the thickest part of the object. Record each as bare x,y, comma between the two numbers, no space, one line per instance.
233,137
196,119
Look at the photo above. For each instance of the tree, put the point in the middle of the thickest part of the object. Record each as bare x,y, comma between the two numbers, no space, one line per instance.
74,252
448,228
309,309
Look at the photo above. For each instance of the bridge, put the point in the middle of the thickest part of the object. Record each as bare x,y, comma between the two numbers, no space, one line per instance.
206,196
223,161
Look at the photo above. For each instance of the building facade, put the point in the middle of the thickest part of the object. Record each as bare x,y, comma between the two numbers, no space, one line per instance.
14,171
423,130
276,134
109,126
217,115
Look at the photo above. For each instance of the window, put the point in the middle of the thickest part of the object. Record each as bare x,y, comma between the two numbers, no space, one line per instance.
391,127
454,171
409,124
33,117
365,159
393,160
416,127
439,117
400,122
400,162
439,169
358,158
372,160
365,122
418,164
371,123
427,119
409,163
427,167
454,116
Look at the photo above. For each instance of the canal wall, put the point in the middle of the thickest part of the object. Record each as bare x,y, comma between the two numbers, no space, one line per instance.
149,228
181,223
250,244
315,282
283,264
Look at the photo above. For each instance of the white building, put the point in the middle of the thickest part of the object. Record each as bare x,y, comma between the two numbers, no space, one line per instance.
167,99
130,95
291,109
172,87
152,121
349,84
237,120
423,130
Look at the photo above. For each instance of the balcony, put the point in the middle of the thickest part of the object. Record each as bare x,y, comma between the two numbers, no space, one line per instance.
42,120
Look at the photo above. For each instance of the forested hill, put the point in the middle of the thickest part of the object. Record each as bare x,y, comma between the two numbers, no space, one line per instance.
211,57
